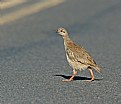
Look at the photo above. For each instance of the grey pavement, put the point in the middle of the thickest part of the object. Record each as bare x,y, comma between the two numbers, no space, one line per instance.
33,62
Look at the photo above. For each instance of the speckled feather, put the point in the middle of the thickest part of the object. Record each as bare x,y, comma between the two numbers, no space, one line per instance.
77,54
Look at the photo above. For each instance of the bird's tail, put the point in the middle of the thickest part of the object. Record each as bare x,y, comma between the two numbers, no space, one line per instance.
97,68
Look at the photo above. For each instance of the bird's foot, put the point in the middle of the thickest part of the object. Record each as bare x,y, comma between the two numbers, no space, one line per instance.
89,80
67,80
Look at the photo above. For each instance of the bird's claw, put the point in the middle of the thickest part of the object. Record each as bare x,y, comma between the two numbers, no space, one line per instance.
66,80
89,80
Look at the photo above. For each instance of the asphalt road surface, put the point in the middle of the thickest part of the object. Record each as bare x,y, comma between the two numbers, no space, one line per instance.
32,58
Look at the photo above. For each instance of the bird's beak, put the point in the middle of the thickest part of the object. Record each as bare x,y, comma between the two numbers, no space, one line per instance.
56,31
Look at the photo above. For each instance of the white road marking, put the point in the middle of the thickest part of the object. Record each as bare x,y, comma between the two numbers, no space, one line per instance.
34,8
10,3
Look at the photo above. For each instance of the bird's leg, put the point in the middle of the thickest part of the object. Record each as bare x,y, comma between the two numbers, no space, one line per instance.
70,79
91,73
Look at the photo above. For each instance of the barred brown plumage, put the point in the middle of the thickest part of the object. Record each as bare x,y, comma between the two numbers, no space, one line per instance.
77,56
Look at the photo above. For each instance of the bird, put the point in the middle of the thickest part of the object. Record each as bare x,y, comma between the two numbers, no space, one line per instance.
77,57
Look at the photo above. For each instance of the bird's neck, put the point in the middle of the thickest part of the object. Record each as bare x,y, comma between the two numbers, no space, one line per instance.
66,39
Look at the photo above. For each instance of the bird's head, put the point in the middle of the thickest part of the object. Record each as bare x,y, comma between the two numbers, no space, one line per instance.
62,31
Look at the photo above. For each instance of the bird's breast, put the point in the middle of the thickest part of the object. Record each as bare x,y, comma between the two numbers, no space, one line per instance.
74,64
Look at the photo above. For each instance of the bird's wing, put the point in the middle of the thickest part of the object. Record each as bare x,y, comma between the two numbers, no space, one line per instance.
79,54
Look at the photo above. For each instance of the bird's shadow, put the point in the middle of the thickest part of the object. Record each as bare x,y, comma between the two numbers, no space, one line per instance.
76,77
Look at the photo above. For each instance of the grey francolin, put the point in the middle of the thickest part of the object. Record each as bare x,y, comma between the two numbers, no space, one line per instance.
77,57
